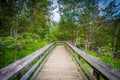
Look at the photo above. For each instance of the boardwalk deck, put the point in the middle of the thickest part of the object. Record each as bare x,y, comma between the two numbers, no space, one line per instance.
59,66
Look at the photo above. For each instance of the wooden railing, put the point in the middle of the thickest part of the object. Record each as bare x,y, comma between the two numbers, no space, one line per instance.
28,67
100,70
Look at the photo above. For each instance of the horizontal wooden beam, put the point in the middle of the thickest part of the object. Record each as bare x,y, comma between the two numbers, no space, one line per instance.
105,70
14,68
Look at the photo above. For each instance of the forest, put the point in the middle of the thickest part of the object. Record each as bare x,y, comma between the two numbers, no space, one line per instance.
91,25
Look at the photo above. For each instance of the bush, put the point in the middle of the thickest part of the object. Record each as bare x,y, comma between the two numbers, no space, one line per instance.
25,44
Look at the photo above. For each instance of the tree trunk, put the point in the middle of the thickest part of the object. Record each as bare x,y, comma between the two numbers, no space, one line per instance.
72,36
15,40
11,32
87,42
115,38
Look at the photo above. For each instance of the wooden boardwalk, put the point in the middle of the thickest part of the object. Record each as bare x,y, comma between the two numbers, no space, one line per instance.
59,66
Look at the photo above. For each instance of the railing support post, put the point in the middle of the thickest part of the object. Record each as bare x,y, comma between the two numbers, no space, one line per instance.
96,74
39,57
79,59
19,75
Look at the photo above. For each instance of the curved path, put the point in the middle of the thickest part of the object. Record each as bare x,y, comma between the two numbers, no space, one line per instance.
59,66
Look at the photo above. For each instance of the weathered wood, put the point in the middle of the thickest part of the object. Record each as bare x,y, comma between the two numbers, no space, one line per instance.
19,75
14,68
79,59
84,68
96,74
32,69
59,66
40,67
105,70
77,65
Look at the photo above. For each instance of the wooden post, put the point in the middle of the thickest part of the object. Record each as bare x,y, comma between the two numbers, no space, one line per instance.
105,78
79,60
96,74
39,57
19,75
79,57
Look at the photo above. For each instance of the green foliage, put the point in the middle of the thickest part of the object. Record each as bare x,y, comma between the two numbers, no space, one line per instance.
26,43
111,61
99,35
23,26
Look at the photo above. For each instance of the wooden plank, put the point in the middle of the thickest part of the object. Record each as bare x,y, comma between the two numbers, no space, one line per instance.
107,71
96,74
14,68
59,66
77,60
32,69
77,65
27,75
40,67
85,69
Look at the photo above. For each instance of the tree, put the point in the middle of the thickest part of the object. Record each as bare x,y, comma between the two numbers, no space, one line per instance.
22,22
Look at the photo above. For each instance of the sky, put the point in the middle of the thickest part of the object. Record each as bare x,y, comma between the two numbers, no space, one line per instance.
102,4
105,3
56,16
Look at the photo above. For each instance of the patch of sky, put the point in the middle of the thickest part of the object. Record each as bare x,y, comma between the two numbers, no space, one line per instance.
102,4
55,12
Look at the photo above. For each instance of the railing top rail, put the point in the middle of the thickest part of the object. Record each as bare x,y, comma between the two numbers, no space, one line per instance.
14,68
101,67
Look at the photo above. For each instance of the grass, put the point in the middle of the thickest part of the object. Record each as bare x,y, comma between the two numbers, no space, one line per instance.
113,62
8,55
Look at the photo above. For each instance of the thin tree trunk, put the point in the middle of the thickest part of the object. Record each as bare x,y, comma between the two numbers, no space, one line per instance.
115,38
72,36
11,32
76,41
88,41
35,7
15,40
